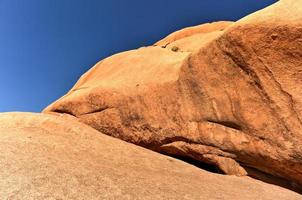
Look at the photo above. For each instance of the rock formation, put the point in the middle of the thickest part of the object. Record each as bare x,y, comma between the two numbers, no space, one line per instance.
226,94
56,157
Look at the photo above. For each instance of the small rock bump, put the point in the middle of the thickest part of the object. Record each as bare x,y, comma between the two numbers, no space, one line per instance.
175,49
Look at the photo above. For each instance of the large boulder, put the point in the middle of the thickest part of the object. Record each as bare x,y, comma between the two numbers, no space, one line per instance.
57,157
227,94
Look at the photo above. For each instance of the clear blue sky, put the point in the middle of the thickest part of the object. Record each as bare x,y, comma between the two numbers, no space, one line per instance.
45,45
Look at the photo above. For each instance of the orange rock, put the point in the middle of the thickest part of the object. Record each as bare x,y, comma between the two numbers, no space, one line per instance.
228,95
187,33
56,157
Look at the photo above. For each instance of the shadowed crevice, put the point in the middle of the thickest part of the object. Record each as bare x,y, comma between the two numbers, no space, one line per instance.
63,112
202,165
228,124
268,178
102,109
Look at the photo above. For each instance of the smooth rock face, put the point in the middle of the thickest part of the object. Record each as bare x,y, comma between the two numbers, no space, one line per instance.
56,157
229,96
195,31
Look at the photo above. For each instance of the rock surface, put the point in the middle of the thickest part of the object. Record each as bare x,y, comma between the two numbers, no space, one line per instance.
227,94
56,157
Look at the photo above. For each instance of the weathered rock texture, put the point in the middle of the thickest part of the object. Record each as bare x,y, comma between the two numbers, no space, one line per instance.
56,157
227,94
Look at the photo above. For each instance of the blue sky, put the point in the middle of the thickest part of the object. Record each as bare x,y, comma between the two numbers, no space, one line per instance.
45,45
